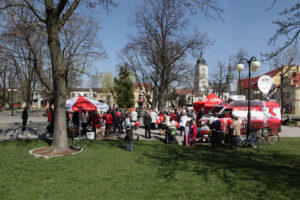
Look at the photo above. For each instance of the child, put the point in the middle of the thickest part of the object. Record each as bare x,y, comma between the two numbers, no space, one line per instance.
129,138
194,133
187,132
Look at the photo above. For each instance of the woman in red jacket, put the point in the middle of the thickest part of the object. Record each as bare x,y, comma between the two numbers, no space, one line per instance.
108,122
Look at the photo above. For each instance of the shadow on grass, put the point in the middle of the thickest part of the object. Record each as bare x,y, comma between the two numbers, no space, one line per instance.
274,171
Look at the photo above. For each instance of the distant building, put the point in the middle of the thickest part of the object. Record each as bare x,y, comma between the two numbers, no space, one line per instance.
291,88
96,93
142,95
291,94
201,76
38,99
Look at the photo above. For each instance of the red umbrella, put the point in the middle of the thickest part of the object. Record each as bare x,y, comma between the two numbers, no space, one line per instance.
81,103
210,101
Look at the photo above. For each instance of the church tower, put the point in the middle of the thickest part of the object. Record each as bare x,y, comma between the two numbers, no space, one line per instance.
201,75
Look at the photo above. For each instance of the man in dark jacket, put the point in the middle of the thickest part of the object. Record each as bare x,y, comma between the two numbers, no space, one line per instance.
215,127
147,124
25,117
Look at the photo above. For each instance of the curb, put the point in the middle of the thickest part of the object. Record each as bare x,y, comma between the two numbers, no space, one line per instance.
47,157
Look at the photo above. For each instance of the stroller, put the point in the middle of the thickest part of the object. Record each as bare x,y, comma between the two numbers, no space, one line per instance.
170,134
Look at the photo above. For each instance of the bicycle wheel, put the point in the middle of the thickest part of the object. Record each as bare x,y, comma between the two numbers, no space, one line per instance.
11,136
257,142
272,138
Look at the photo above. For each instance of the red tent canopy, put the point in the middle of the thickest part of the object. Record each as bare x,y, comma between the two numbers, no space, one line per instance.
209,102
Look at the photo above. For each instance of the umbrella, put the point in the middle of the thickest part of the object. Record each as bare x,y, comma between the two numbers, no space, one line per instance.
210,101
81,103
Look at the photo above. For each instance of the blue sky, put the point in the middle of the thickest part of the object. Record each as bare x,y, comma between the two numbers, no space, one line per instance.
246,25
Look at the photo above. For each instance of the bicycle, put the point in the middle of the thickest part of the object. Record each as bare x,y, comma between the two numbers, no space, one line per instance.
12,134
269,137
254,140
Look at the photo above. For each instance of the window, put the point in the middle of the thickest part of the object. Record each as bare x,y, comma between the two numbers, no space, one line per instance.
288,94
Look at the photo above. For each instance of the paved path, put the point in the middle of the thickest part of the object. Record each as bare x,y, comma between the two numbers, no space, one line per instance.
40,122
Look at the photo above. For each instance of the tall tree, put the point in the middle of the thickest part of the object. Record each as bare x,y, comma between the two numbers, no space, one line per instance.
236,59
54,15
108,86
159,51
220,78
283,62
124,87
288,28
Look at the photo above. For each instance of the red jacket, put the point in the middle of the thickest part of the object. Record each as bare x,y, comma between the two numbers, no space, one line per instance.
173,117
49,116
108,119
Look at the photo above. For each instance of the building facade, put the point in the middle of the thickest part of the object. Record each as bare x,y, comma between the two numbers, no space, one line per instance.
290,88
143,95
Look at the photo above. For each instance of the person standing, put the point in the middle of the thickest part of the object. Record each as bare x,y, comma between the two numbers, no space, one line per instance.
134,117
153,119
108,123
147,123
129,137
215,127
187,133
194,133
173,116
236,126
84,121
24,117
183,120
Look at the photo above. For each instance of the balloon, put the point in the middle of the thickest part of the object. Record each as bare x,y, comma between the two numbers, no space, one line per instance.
168,123
158,121
132,124
131,109
229,121
137,123
161,118
176,124
119,114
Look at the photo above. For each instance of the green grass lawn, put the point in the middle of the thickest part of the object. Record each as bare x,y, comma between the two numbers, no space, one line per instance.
154,170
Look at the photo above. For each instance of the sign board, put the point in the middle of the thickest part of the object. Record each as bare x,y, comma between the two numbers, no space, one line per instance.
265,83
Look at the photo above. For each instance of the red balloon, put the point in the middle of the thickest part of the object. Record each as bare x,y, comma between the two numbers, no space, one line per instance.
229,121
137,123
158,121
119,114
176,124
161,118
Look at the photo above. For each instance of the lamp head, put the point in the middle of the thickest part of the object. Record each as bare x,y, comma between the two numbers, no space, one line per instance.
239,67
255,65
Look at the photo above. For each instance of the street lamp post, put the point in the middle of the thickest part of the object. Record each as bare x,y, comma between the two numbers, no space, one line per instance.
253,65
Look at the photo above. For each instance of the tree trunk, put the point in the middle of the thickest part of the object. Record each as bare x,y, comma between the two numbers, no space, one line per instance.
281,95
60,139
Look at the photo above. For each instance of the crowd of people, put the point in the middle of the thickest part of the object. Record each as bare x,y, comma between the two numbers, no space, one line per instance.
187,121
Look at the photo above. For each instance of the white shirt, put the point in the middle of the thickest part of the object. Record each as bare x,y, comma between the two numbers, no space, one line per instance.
153,117
134,115
183,120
